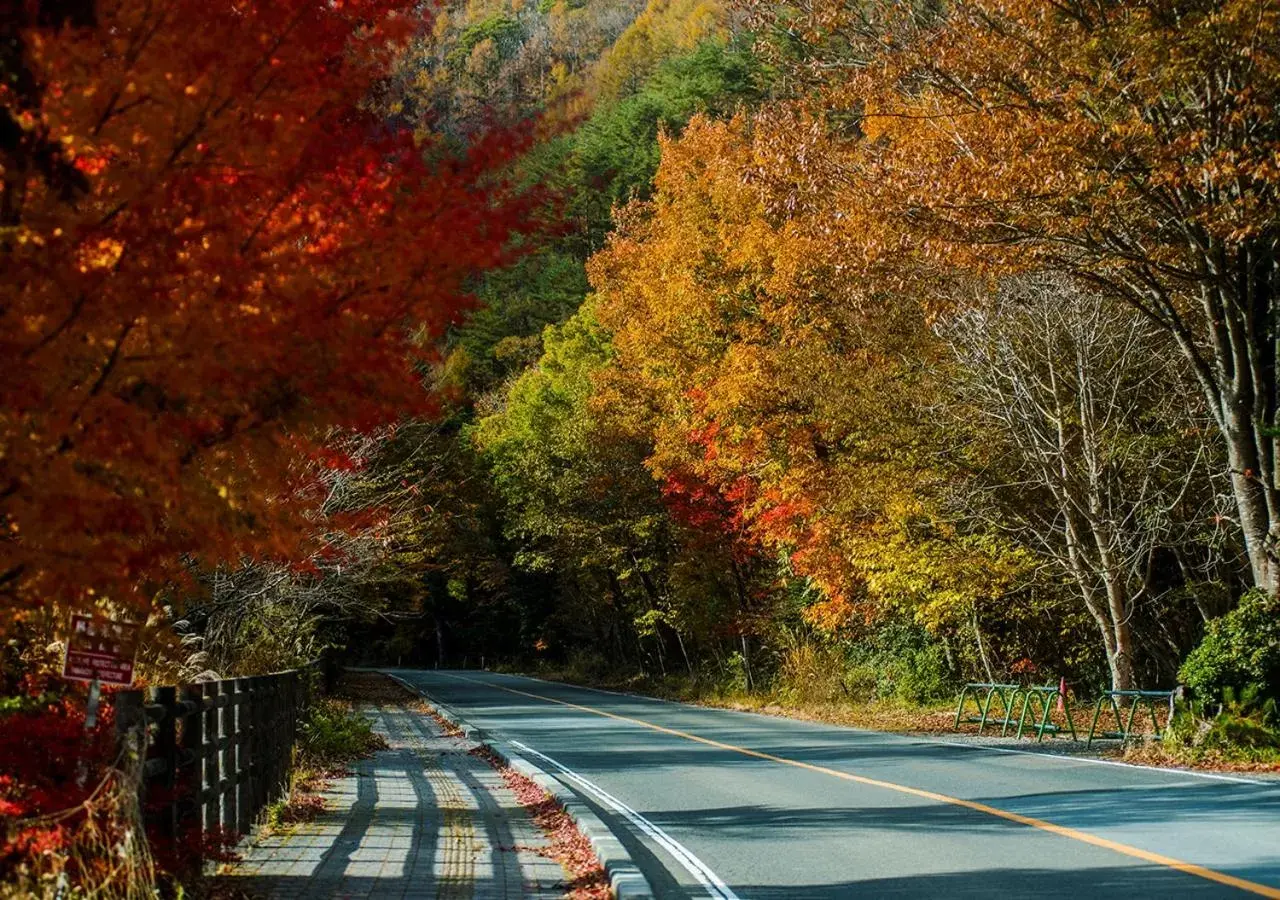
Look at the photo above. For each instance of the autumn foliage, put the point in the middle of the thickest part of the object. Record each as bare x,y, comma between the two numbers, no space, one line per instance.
791,390
789,312
951,324
255,260
787,375
59,806
1131,145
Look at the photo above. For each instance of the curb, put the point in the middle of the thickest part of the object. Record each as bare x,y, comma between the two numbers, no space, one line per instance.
625,877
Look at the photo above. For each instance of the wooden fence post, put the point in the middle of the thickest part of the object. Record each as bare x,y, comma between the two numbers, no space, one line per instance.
131,732
165,748
210,796
191,756
296,687
260,760
131,736
227,750
244,754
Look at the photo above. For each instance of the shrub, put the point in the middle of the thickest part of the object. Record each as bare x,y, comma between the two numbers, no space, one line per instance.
66,813
1239,649
334,735
810,673
589,666
1245,727
901,660
924,676
1246,721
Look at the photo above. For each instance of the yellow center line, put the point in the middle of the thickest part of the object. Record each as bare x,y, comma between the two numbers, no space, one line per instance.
1084,837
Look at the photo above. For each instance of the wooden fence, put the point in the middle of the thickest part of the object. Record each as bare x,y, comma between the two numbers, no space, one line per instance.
215,754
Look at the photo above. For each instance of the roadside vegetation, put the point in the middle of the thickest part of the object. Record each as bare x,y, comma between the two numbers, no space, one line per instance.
778,699
1243,732
64,806
335,735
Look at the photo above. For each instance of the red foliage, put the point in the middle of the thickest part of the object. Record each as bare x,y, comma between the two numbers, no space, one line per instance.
568,845
695,504
49,771
710,514
43,750
48,765
257,260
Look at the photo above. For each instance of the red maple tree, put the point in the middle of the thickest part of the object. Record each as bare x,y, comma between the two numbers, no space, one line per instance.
257,259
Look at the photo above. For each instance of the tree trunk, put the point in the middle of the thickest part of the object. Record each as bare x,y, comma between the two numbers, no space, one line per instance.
683,652
1118,612
982,650
1084,569
1239,381
1249,485
1121,663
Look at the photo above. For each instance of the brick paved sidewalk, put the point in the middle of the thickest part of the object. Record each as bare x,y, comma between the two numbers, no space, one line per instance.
423,820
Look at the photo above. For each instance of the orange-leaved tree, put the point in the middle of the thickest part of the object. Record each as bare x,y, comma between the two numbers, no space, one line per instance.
796,391
1132,144
255,260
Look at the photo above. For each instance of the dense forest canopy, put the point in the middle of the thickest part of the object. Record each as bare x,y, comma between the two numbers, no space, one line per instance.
853,349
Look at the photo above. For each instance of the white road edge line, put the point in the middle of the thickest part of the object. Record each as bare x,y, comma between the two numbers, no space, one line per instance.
1061,757
696,867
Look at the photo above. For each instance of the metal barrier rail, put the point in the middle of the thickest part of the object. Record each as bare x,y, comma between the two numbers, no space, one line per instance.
983,695
1018,702
1124,726
1045,696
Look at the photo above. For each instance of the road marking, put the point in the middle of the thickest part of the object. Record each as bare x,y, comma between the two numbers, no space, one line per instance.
1084,837
683,855
1062,757
911,738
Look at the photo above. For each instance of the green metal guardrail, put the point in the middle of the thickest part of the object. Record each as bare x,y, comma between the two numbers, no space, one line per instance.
1028,706
1124,725
983,694
1044,696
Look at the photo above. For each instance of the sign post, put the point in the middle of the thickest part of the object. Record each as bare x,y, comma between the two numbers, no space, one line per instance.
99,651
91,709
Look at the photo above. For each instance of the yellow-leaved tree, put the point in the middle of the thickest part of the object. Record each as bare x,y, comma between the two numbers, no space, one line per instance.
1130,144
772,371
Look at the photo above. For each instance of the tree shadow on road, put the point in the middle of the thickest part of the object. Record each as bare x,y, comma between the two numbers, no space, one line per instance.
1094,883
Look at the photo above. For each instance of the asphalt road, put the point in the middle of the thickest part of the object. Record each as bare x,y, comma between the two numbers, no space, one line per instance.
713,803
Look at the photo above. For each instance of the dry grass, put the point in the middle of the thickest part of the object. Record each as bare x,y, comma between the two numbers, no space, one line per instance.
94,849
372,687
1155,753
813,705
875,716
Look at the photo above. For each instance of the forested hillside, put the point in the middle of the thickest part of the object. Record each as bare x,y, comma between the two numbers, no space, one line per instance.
825,349
807,390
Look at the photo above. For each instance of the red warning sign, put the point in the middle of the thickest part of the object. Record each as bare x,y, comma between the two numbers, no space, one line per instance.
101,649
